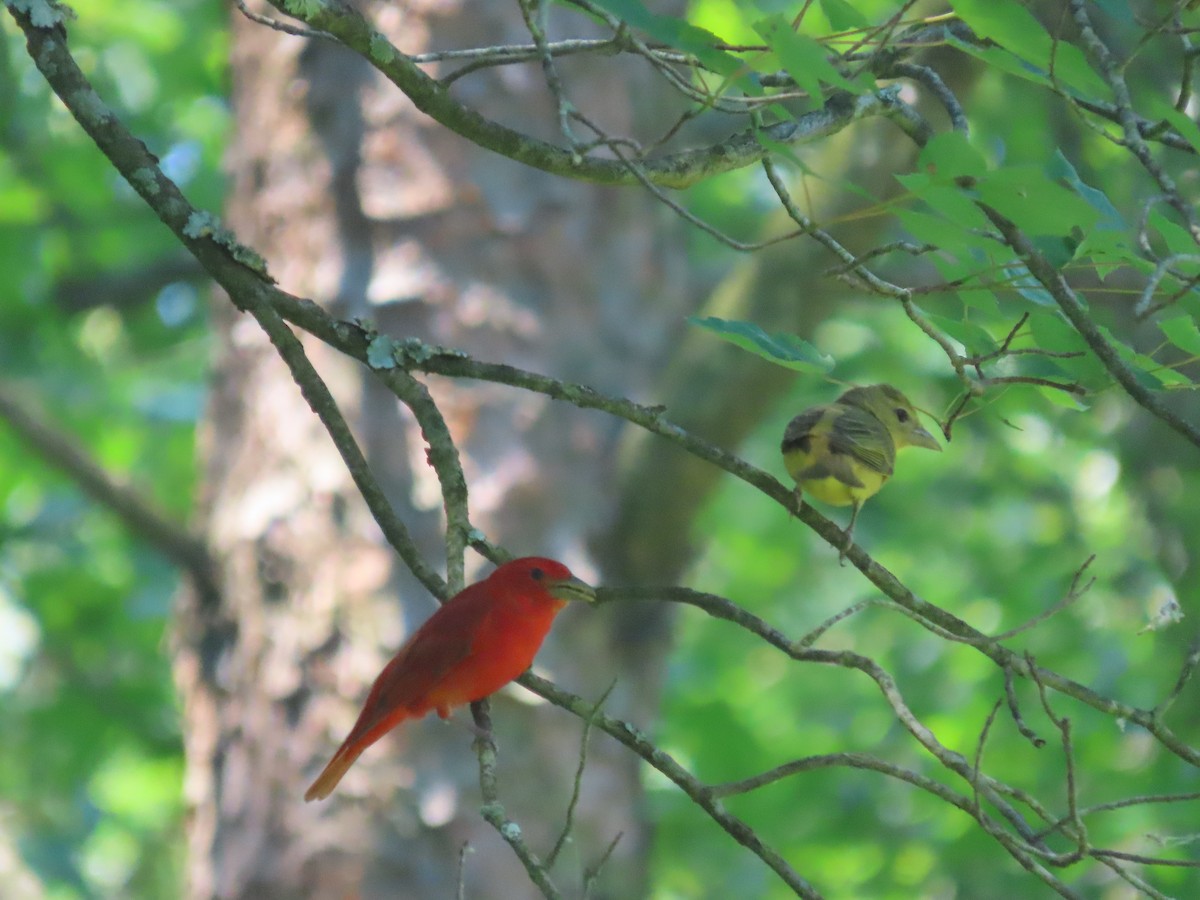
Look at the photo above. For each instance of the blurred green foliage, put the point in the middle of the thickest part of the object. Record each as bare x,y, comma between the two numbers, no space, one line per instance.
110,348
992,530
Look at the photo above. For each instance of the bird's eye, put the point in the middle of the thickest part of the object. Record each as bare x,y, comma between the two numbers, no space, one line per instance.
901,414
537,574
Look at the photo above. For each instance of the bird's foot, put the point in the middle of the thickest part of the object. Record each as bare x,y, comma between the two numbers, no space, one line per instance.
846,545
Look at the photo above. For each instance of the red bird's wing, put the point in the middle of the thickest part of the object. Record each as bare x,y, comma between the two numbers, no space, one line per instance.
411,684
432,657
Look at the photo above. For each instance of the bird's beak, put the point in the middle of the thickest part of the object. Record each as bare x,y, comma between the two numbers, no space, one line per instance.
919,437
571,589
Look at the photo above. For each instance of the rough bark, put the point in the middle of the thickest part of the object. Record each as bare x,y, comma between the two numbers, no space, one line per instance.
354,198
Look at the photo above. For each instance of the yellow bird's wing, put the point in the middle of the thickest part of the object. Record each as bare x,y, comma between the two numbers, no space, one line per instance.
839,443
857,434
797,437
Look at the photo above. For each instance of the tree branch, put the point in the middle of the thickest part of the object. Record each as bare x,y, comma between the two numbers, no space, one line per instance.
1072,307
677,170
140,516
699,793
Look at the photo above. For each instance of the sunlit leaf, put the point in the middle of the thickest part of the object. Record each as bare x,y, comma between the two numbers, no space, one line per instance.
1181,122
950,155
1183,333
805,59
786,350
1177,238
1020,279
1109,218
1149,372
843,16
1034,203
1014,27
975,339
676,33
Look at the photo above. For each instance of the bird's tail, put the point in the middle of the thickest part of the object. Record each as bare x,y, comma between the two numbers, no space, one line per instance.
332,773
369,728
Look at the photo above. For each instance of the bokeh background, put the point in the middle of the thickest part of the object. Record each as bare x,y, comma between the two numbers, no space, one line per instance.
113,342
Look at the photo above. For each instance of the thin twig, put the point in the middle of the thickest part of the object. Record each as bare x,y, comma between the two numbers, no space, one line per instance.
1014,710
811,637
321,401
1124,803
850,760
492,809
284,27
1111,72
642,746
443,456
592,872
807,226
1190,663
569,818
1074,592
461,893
1143,307
1073,308
1077,830
534,14
1148,860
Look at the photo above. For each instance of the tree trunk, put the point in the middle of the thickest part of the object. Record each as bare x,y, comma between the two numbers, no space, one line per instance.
353,196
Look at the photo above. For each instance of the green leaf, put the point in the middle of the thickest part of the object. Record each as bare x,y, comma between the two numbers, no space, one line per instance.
681,35
1058,249
1110,219
1014,27
1148,371
782,349
1021,280
1062,398
1183,333
1181,122
950,155
930,229
842,16
916,183
1000,59
805,59
1054,334
947,236
953,204
1108,251
1035,203
982,300
1178,239
975,339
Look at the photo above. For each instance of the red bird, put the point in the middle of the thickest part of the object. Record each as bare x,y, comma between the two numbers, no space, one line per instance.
477,642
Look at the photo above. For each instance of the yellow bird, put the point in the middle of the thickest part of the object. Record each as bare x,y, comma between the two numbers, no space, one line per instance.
842,453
